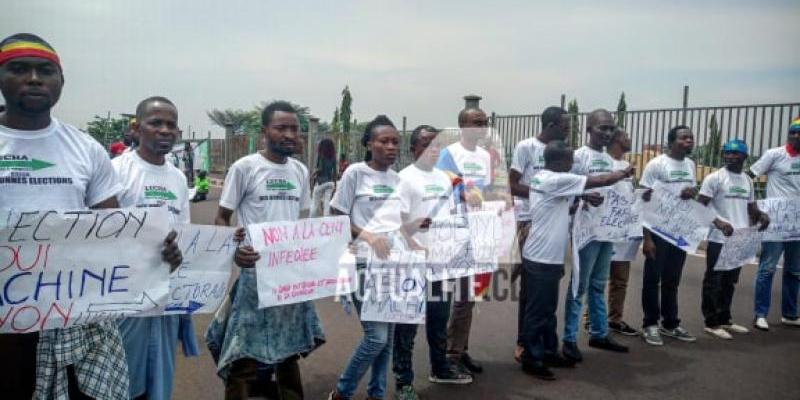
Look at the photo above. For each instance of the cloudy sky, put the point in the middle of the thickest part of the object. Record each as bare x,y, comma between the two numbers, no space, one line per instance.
413,58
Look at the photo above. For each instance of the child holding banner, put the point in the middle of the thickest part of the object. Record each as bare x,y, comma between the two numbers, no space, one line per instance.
730,192
246,341
552,192
149,181
781,165
368,193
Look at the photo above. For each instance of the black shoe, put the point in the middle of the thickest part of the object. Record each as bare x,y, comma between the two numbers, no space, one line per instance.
622,328
538,370
556,361
570,351
451,376
470,363
607,343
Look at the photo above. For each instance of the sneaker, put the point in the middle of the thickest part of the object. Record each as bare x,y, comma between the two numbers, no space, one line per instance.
607,343
557,361
791,321
761,324
570,351
678,333
406,393
736,328
651,336
538,370
622,328
451,377
470,363
718,333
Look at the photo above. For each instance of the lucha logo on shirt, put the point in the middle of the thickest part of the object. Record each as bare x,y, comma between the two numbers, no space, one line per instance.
432,188
16,162
796,165
598,164
382,189
737,190
678,174
472,167
280,184
158,193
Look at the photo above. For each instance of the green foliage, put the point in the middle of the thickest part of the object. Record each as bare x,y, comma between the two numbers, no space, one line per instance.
622,107
710,151
106,129
575,128
248,122
345,113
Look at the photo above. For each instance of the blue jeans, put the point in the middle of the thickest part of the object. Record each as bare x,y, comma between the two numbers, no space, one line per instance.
770,254
595,262
374,351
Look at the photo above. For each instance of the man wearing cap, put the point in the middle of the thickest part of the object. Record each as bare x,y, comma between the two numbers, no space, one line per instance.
730,193
79,362
781,165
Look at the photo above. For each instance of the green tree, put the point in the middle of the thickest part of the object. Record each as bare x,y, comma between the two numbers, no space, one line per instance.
622,107
107,129
711,150
345,113
575,127
236,119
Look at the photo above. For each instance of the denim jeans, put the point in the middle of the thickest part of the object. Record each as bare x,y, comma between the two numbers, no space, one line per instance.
538,336
595,261
770,254
373,351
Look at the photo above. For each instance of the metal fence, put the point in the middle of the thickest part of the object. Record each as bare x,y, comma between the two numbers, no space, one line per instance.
761,126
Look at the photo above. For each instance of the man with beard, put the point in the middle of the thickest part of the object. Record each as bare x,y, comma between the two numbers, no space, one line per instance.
79,362
243,339
150,181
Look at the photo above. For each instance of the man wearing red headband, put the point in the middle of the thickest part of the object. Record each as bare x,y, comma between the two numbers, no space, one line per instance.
79,362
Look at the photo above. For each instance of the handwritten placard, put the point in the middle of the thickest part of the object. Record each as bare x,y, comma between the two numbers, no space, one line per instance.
395,288
784,219
462,245
505,231
740,248
199,285
683,223
66,268
582,234
616,219
300,260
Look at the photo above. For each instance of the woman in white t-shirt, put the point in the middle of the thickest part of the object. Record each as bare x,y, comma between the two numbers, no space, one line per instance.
368,193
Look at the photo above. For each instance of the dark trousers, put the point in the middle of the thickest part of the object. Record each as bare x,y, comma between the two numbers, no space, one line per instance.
199,197
403,354
718,287
539,336
244,381
617,287
18,378
662,277
436,318
523,228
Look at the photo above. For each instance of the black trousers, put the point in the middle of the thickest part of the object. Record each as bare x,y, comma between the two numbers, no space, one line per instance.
18,378
718,287
660,284
436,317
539,336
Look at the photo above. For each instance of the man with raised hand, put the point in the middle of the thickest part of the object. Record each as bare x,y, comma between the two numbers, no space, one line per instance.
781,165
79,362
150,181
730,193
528,159
594,258
246,340
466,161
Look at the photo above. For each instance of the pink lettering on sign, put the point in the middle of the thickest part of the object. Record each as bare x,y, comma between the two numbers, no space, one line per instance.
300,255
275,234
23,319
24,260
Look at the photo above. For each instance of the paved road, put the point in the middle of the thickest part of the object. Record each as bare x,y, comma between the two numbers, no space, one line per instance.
760,365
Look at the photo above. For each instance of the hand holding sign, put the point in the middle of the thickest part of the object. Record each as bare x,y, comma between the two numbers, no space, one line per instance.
171,253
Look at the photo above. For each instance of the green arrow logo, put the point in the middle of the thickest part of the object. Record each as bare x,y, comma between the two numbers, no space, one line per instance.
382,189
280,185
24,165
159,194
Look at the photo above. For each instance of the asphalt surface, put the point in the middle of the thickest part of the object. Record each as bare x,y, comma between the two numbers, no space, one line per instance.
758,365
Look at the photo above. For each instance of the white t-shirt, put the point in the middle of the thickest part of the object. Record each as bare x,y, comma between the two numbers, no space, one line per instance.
528,159
590,162
550,198
674,174
782,170
425,194
370,198
58,167
149,185
475,166
263,191
730,194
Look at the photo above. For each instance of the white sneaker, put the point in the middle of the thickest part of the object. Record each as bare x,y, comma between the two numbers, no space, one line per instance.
651,336
761,323
736,328
718,332
790,321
